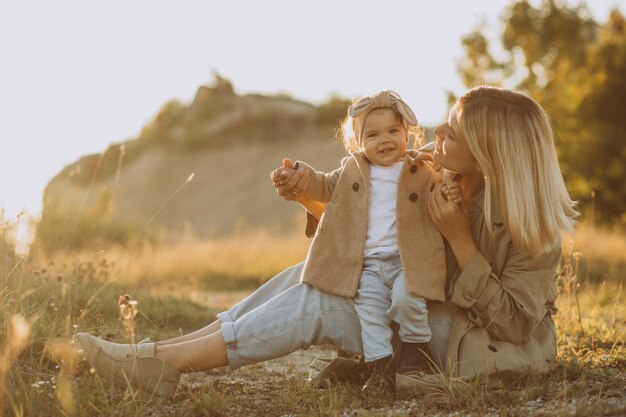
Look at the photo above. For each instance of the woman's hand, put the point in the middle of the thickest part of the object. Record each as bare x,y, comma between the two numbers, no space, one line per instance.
289,181
452,219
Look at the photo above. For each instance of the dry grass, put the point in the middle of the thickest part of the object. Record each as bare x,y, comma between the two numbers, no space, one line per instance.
73,292
603,253
240,261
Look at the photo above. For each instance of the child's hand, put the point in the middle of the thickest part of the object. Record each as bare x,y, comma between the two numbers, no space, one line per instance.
281,175
453,192
289,181
451,189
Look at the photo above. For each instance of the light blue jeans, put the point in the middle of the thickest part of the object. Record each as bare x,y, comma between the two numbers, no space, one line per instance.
383,297
285,315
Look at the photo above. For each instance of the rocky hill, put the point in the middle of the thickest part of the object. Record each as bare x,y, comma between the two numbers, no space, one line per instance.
229,142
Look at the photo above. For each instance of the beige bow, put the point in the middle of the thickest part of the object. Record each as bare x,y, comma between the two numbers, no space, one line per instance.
383,99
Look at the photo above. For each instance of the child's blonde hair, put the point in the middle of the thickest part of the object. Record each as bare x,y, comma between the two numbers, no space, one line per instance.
511,138
351,127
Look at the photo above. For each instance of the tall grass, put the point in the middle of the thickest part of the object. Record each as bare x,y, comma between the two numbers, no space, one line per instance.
46,299
602,253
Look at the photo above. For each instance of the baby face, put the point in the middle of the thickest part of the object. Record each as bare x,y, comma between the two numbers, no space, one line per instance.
383,140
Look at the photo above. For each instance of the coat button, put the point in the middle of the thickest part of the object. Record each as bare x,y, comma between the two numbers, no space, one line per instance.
355,186
413,169
492,348
413,197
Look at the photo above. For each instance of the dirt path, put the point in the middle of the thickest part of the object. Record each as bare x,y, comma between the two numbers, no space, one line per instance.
279,388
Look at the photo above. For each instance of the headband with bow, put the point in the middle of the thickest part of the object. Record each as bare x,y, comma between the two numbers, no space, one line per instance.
383,99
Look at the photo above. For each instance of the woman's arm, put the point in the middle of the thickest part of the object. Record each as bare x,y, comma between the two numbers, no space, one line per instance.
290,189
453,222
508,305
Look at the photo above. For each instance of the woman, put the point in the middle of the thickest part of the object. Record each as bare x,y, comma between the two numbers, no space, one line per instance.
504,248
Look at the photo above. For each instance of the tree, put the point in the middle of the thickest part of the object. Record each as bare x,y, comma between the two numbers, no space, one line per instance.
574,67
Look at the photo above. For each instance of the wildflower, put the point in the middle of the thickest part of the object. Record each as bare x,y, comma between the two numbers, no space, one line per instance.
128,312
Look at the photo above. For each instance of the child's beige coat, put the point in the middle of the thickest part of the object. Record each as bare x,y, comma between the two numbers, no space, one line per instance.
335,259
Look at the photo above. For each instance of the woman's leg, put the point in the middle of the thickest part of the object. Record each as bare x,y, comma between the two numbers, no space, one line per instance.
440,323
205,331
281,282
300,317
199,354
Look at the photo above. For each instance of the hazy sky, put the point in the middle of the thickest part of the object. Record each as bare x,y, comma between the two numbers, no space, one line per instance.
77,75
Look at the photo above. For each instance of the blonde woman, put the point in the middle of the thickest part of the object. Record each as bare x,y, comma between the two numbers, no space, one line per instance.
502,255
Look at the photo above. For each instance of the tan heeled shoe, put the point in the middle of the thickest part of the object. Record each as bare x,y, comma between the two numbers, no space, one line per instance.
126,365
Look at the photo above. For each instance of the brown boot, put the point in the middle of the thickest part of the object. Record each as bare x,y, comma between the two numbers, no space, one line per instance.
382,379
414,357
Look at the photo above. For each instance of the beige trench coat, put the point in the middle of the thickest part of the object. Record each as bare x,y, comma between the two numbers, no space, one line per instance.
335,259
503,303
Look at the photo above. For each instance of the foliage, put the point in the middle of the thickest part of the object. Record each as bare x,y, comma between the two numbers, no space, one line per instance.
575,68
332,111
57,297
8,257
63,228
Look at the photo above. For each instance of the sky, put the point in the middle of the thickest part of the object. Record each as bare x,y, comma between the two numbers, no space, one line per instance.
78,75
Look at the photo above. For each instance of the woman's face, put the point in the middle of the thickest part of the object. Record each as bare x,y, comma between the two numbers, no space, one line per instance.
452,151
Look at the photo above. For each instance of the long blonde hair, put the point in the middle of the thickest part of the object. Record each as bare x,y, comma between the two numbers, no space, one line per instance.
511,138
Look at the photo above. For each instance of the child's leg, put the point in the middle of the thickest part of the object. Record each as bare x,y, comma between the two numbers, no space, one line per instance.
371,304
410,312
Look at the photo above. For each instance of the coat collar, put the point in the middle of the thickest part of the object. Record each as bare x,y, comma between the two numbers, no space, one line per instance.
479,202
362,163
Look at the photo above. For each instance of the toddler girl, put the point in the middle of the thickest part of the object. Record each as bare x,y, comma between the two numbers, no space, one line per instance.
375,241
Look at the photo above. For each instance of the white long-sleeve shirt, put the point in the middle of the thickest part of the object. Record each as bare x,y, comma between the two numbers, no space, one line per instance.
383,195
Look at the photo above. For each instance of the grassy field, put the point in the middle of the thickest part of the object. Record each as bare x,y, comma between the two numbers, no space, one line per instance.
180,288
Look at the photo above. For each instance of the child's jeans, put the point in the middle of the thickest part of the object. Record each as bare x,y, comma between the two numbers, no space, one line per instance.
383,297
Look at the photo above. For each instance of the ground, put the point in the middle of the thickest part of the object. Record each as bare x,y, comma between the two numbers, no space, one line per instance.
279,388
